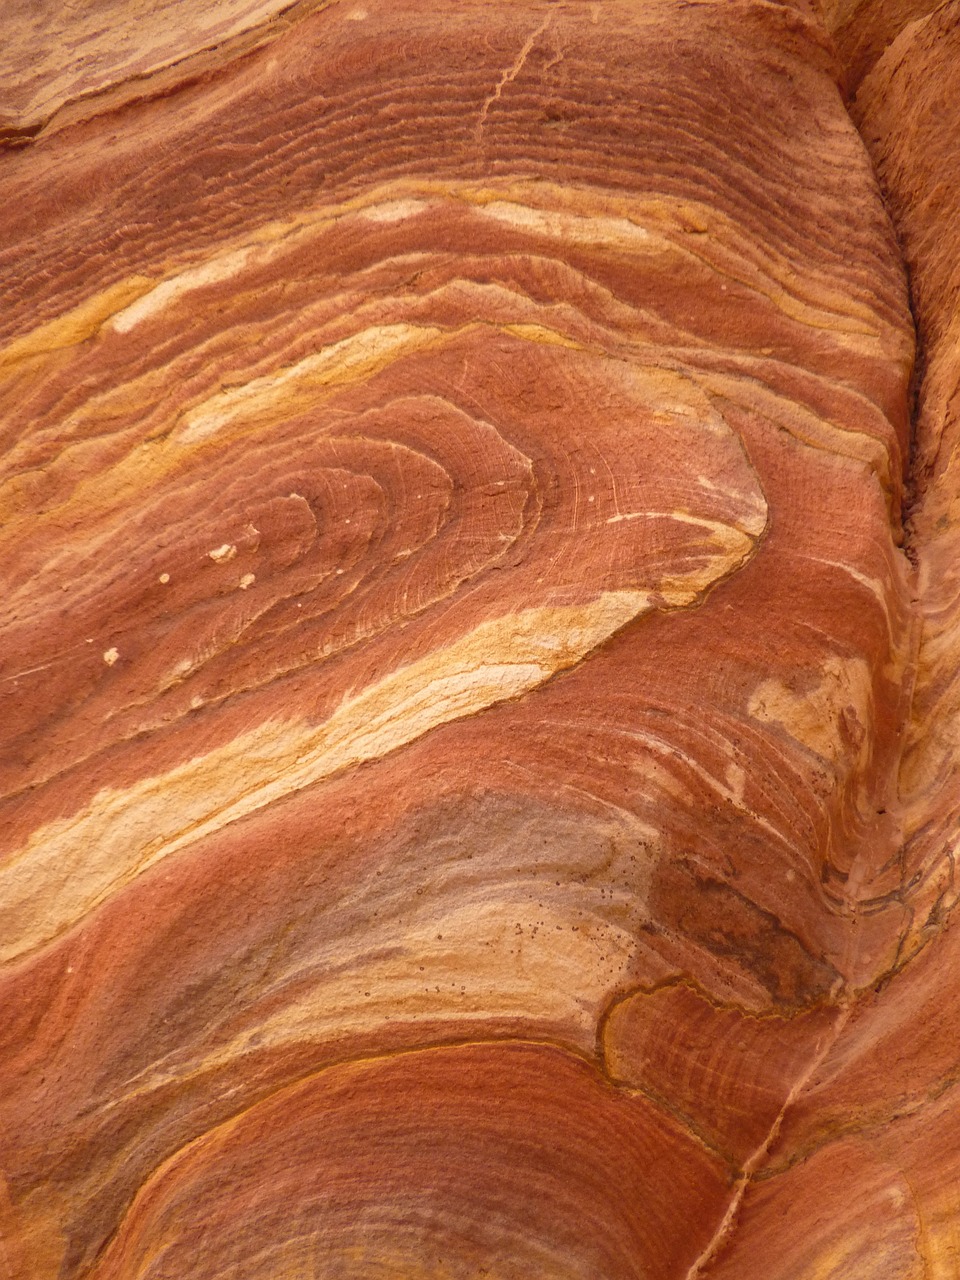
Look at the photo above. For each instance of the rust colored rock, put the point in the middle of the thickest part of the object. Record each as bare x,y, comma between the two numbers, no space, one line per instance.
905,108
462,782
863,30
880,1111
433,1163
61,63
730,1075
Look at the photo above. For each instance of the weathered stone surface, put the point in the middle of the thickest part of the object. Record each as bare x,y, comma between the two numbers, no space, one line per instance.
863,30
437,1167
866,1167
65,62
906,107
458,642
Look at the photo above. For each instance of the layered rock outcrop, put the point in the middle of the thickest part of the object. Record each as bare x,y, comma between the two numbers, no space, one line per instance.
478,760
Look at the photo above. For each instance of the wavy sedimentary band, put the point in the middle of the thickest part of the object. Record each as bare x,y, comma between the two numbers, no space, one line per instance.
880,1111
425,1165
59,68
455,640
924,198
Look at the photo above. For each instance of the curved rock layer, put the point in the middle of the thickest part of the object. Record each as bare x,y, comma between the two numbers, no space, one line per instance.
881,1111
457,1181
60,63
903,127
457,644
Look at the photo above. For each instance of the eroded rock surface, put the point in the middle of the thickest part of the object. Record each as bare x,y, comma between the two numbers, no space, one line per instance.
881,1112
465,806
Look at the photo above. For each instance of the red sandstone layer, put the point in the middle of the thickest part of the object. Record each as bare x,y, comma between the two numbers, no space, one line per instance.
465,805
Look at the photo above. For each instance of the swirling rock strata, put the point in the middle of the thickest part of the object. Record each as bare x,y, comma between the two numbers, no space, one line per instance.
880,1112
456,642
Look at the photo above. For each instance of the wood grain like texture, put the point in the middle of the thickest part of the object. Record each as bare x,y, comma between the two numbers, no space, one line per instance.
457,647
64,62
457,1180
903,125
880,1111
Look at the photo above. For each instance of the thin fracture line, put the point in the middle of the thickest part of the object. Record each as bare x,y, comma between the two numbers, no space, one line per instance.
511,73
748,1170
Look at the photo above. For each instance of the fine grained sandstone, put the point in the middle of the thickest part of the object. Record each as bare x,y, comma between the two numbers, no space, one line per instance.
479,738
863,29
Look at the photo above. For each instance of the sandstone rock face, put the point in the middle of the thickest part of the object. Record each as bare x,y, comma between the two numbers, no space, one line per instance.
863,29
479,739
